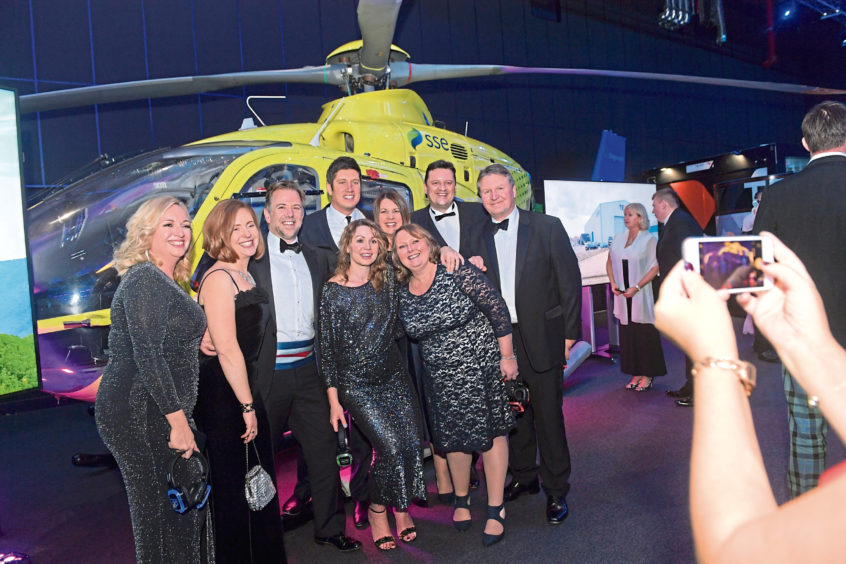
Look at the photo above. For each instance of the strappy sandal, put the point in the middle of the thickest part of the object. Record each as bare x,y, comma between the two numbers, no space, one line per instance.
494,513
383,542
407,532
462,502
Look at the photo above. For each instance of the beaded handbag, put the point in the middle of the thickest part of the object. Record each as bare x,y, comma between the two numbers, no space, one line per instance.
258,486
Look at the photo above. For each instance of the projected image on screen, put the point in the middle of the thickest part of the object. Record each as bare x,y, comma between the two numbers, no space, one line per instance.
18,365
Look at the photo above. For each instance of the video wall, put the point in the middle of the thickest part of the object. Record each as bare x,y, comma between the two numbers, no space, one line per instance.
18,355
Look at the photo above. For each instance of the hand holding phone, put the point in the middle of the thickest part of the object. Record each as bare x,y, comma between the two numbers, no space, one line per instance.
732,264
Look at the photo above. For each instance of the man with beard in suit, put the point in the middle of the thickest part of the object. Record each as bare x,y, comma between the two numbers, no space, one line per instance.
530,260
807,211
293,272
678,226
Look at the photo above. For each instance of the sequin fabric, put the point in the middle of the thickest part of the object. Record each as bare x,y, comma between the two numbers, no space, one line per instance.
153,368
457,322
358,355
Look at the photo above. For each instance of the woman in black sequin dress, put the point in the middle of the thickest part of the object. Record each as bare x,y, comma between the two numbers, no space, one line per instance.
366,374
464,330
227,411
148,390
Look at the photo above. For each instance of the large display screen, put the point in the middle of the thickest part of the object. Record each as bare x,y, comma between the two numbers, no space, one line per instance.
18,362
592,213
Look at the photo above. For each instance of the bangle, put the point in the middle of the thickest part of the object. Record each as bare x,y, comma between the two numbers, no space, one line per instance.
638,287
512,357
814,401
745,371
247,407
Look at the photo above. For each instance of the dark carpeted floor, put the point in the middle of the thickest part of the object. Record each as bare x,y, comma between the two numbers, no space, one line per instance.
628,501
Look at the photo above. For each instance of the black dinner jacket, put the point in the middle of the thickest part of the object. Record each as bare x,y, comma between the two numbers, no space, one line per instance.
807,211
679,227
315,231
320,264
470,214
548,285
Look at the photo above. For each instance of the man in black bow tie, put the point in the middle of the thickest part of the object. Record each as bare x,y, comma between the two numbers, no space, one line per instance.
447,219
293,273
531,261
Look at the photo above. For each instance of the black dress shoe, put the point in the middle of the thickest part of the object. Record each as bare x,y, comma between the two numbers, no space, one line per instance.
685,402
339,541
680,393
769,356
360,514
515,489
293,506
556,509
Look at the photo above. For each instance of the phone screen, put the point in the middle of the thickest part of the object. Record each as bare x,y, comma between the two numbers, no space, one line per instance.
732,264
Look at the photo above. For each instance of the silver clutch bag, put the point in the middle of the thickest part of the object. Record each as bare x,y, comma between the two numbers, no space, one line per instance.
258,486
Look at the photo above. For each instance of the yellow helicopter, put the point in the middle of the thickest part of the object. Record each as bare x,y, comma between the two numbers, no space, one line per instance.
388,129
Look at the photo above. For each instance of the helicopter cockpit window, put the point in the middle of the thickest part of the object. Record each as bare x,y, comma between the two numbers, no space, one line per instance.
73,233
371,187
305,177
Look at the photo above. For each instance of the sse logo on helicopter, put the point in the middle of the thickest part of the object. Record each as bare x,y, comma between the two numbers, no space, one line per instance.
415,138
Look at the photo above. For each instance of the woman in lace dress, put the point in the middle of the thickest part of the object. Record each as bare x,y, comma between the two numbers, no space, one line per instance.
365,373
464,330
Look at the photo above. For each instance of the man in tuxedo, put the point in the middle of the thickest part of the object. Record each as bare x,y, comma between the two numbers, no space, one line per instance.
343,184
293,273
807,211
678,226
530,260
449,221
323,229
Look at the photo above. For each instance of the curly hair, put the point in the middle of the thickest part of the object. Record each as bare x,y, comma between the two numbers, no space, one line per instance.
404,274
139,230
217,230
379,268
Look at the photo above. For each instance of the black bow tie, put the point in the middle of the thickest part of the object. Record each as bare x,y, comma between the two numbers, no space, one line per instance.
349,219
285,246
501,225
443,215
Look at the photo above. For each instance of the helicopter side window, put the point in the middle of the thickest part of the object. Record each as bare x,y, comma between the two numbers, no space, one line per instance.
254,189
372,187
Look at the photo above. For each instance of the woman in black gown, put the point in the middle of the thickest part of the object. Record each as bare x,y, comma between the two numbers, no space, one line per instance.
464,330
227,411
366,374
148,390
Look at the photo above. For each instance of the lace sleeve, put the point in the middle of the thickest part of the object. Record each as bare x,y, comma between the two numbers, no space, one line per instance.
393,288
327,318
146,316
485,296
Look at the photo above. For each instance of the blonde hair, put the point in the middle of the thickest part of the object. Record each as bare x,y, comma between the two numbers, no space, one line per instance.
640,210
217,230
404,274
379,268
139,230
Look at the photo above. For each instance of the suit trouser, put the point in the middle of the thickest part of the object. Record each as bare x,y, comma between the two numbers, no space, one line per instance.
540,429
298,398
808,430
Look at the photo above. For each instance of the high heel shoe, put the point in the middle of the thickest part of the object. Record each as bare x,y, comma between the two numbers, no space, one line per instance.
383,543
446,498
642,388
462,502
494,512
633,384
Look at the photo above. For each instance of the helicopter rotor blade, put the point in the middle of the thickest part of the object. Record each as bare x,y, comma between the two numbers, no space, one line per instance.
175,86
377,20
403,73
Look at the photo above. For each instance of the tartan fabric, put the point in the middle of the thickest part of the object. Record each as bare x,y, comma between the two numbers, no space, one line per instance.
808,430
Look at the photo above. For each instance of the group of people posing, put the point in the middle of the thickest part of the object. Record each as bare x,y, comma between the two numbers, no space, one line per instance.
325,315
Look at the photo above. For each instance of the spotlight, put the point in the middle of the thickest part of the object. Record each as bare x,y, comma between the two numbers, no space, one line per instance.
786,9
843,38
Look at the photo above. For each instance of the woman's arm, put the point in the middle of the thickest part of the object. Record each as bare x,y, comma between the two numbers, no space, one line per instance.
218,297
610,271
485,296
336,410
326,338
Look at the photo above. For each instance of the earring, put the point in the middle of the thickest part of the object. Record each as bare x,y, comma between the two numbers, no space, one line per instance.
147,254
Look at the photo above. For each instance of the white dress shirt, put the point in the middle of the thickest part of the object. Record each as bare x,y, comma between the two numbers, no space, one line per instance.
338,221
448,227
506,258
293,294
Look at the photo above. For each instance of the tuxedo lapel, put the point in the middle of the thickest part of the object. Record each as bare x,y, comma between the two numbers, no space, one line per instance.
260,269
524,237
326,233
492,263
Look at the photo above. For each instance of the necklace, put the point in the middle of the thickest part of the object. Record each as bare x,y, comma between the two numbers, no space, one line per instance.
248,278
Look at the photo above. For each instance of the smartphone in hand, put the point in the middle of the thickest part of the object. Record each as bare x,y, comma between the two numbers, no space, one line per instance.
730,263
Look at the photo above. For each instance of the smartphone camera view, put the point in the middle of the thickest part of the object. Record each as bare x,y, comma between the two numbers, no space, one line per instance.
730,263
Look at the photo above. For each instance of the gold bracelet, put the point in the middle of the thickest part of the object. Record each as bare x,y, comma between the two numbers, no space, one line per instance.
745,371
